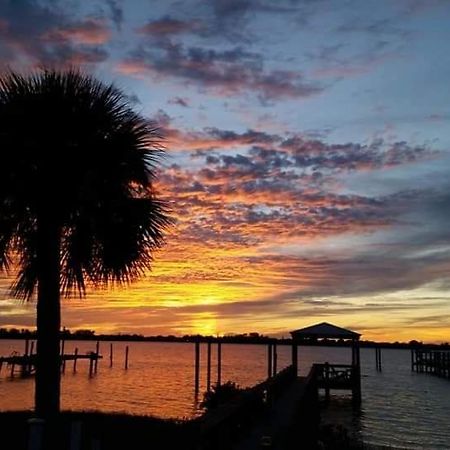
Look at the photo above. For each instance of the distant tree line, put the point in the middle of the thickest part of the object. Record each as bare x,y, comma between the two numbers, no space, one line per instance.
244,338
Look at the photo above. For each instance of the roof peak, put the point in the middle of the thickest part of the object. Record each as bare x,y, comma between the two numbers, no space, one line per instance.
325,330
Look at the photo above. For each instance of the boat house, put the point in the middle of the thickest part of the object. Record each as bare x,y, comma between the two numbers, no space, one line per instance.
333,376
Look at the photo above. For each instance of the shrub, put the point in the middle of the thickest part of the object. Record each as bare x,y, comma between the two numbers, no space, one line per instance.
220,394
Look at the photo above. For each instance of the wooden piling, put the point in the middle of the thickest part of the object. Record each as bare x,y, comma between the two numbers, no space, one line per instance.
63,361
197,367
110,354
75,435
35,434
327,382
219,363
27,346
294,354
378,359
97,352
31,354
208,366
75,360
269,360
91,366
126,357
275,359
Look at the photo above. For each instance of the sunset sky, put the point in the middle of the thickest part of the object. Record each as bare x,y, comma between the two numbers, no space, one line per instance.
307,166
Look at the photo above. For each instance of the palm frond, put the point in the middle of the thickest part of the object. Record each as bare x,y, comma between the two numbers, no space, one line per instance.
73,148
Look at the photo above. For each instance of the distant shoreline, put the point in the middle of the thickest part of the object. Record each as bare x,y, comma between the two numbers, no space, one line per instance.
235,339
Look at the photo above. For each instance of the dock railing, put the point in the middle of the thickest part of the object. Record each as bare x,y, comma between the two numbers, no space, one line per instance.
226,423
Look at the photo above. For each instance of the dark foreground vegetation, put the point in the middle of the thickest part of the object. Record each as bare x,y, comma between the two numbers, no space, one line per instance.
108,431
128,432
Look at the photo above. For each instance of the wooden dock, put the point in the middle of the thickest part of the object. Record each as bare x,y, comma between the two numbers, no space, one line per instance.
431,361
25,365
338,377
280,413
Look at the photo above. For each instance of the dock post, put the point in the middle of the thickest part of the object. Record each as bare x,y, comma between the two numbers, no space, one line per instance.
75,360
208,366
36,434
91,365
110,354
275,359
378,359
269,360
327,382
294,358
219,363
197,367
31,354
95,444
25,366
126,357
63,361
356,371
97,352
75,435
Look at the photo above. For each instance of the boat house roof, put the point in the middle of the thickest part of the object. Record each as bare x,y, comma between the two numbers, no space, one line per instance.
324,330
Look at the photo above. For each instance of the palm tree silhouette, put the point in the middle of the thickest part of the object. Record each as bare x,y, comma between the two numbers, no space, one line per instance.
77,204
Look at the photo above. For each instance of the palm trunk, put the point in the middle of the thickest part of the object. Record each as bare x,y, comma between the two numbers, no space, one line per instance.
47,388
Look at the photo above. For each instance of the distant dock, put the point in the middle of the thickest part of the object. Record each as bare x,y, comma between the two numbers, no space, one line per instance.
24,365
431,361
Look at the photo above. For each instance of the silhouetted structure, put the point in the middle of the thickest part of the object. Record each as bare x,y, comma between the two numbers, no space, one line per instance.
26,363
431,361
76,199
334,376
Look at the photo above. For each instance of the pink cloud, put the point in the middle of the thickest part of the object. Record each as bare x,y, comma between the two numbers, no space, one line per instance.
91,31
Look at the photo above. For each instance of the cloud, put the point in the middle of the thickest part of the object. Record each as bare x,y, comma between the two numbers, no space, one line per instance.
167,26
35,33
180,101
224,72
290,150
91,31
116,13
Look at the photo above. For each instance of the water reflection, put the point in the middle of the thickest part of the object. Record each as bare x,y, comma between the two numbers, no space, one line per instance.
399,407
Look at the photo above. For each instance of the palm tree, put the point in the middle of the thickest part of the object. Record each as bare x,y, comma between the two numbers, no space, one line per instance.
77,204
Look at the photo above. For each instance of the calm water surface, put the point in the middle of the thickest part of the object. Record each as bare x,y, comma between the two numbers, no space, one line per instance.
399,408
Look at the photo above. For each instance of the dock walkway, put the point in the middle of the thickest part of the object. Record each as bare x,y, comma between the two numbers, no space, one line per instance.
276,429
277,413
